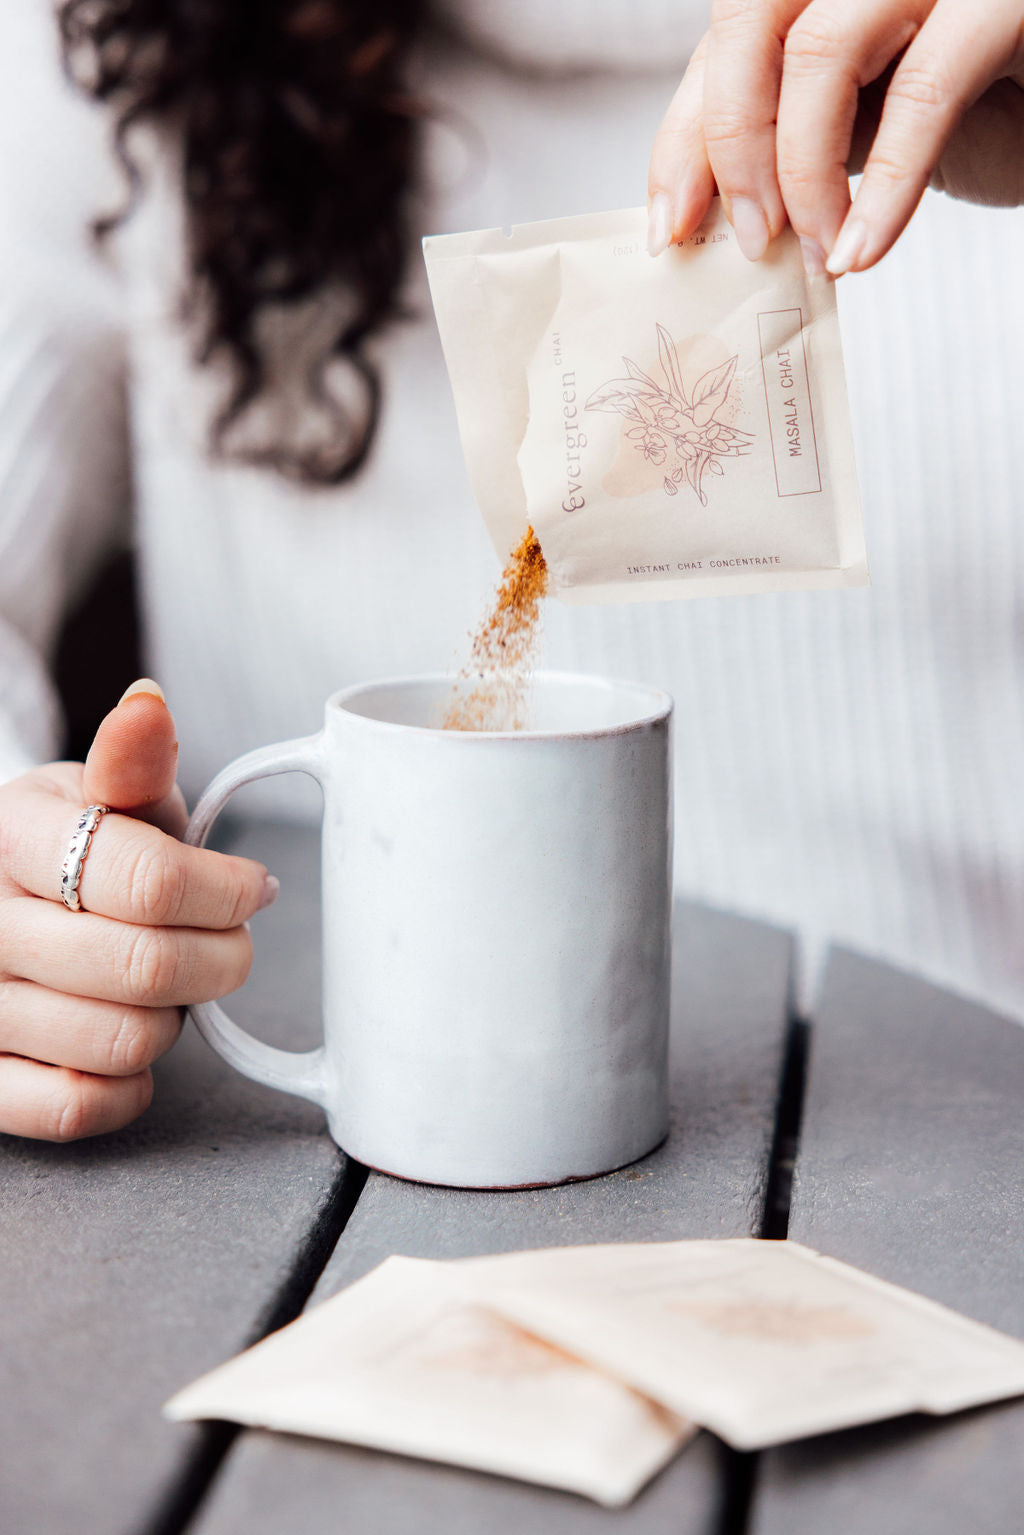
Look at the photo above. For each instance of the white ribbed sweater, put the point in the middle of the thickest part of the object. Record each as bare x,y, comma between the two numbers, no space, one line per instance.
847,763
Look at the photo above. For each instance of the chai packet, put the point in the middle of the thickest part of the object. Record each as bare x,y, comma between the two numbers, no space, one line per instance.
672,427
401,1361
762,1342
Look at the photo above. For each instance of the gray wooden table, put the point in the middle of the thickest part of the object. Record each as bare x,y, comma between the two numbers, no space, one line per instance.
132,1263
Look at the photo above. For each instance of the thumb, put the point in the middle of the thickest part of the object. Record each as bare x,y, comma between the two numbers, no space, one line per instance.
133,761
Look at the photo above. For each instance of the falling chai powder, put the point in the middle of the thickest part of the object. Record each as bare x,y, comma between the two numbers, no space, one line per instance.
492,690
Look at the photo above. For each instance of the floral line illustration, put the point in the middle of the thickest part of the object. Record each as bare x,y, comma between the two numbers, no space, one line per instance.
673,428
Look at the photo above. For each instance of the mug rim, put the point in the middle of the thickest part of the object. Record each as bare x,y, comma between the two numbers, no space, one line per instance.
662,707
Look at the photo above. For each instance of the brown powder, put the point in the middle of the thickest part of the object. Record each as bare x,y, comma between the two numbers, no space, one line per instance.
492,691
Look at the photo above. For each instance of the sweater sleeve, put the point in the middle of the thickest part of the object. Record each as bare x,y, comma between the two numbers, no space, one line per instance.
63,419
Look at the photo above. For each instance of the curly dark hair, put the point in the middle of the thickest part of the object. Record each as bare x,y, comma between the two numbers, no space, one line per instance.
298,149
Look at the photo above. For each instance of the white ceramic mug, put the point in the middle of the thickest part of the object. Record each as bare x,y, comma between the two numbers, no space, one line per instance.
496,911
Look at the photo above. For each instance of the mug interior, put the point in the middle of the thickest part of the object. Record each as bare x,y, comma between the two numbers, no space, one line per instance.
559,704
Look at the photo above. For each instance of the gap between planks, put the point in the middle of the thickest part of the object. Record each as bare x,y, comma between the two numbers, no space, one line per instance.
740,1468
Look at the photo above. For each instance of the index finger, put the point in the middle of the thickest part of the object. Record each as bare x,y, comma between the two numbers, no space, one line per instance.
133,871
742,79
680,185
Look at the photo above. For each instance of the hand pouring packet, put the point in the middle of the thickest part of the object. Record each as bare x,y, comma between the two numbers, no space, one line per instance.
673,427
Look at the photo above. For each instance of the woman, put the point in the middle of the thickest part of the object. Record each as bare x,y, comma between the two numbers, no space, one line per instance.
841,759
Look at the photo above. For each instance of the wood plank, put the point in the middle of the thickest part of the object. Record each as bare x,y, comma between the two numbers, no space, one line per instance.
910,1166
132,1262
731,981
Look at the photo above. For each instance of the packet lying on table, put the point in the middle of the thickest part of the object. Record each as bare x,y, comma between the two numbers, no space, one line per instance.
587,1368
671,428
400,1361
760,1341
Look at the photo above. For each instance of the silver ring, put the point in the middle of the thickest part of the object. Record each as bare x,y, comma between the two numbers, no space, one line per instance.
78,852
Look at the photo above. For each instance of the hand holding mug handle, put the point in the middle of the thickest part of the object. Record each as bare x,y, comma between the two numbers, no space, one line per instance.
301,1073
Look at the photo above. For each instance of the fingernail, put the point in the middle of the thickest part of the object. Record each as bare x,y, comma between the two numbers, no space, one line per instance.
848,247
814,257
689,190
751,226
271,887
144,685
659,224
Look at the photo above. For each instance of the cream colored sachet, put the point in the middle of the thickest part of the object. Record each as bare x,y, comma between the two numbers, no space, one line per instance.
400,1361
762,1342
672,427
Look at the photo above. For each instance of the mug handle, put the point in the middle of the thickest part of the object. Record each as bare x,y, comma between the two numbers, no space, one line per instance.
291,1071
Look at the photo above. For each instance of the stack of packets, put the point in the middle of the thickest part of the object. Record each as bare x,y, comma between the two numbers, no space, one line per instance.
587,1368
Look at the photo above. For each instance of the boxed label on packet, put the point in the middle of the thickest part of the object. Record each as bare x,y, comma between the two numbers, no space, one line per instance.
671,428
